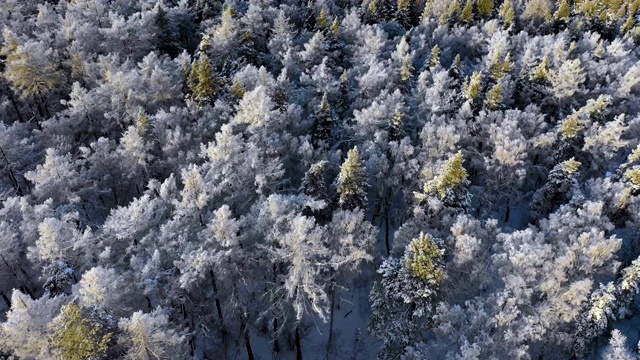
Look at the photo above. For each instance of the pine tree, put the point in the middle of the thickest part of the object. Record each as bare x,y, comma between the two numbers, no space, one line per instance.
323,122
423,259
402,301
507,13
557,189
494,97
402,15
471,88
434,60
165,41
343,102
467,12
313,183
202,80
142,124
352,182
78,337
449,185
563,12
541,73
499,67
485,8
323,20
396,127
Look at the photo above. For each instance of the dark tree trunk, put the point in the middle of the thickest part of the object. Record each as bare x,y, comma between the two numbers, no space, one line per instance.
386,231
276,343
331,313
298,346
15,106
44,106
215,295
40,112
6,298
24,288
506,215
115,196
12,176
247,344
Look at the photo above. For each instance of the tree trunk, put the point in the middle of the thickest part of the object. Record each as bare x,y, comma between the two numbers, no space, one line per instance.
214,285
12,176
24,288
386,230
215,295
298,346
276,343
40,112
247,343
45,106
331,313
15,106
115,196
6,298
506,215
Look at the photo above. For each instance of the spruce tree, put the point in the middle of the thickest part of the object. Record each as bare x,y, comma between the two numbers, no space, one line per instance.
352,182
323,121
449,185
202,80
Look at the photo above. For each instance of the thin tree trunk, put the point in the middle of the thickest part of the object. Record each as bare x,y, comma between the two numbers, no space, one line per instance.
12,175
40,112
247,343
298,346
115,196
44,105
215,294
386,231
6,298
331,313
23,286
276,343
506,215
15,106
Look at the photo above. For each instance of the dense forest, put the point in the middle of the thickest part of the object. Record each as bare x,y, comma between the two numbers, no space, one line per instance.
331,179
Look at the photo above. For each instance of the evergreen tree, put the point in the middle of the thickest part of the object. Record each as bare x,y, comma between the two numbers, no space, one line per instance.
31,70
449,185
485,8
323,122
557,189
202,80
401,302
403,15
79,337
352,182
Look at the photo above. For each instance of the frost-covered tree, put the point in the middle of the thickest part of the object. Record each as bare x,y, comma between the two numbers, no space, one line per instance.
79,334
32,69
449,185
26,331
352,182
617,349
560,182
151,336
403,298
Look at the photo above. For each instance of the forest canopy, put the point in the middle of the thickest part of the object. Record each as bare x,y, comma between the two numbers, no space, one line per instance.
330,179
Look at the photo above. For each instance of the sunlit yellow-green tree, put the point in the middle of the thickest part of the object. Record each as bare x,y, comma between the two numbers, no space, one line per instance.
77,337
424,260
